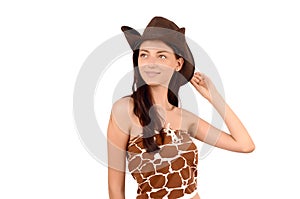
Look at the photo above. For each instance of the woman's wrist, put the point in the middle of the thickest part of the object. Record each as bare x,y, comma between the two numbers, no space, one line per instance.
218,102
215,98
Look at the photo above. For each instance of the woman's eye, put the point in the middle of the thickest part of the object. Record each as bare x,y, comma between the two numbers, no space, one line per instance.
143,55
162,56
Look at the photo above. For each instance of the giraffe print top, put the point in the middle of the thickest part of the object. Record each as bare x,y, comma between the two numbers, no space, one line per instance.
171,172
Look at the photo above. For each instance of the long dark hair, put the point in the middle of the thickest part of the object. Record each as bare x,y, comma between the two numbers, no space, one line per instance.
148,116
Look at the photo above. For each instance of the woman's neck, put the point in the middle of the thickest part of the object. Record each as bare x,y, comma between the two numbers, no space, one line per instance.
160,97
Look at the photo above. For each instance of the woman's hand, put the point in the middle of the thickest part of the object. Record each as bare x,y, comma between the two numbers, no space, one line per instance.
204,86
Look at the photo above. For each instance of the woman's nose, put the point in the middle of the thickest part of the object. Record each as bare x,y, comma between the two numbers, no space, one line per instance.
152,60
151,65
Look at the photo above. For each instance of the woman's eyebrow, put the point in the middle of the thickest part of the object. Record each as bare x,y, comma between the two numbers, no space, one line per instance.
160,51
163,51
144,50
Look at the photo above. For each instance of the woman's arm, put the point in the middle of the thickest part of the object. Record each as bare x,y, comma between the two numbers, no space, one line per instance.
117,138
239,139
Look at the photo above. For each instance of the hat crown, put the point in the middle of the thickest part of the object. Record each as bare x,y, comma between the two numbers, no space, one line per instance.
162,22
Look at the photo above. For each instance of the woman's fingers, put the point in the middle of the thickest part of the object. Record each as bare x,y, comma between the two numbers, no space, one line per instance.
199,78
203,85
194,81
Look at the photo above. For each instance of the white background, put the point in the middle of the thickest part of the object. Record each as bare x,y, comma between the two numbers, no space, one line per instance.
254,45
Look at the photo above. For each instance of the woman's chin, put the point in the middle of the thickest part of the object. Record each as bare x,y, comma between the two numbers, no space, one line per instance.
152,83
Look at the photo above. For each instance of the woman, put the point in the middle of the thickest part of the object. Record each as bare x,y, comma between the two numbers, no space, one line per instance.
151,131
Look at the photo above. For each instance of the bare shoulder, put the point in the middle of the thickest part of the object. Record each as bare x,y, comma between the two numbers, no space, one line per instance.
191,121
123,104
121,112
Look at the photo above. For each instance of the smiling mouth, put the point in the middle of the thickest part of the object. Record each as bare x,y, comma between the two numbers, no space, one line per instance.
152,74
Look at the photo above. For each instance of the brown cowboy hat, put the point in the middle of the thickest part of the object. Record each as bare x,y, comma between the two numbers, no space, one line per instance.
160,28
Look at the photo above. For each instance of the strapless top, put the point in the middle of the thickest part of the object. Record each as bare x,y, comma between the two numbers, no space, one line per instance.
171,172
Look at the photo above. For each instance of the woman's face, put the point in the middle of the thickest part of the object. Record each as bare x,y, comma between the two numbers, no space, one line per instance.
157,62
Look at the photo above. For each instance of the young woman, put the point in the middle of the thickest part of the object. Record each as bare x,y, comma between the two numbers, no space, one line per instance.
149,129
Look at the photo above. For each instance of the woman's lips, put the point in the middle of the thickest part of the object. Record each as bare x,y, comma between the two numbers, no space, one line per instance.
152,73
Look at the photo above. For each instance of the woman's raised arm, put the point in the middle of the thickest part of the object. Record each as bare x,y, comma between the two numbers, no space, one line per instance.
238,139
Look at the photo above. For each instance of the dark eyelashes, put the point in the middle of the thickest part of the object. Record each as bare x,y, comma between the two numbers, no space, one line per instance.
143,54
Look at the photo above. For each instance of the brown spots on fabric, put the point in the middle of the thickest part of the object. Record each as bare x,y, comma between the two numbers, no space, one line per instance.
193,176
178,164
163,168
147,170
174,180
168,151
145,187
149,156
158,194
190,188
138,177
185,173
157,161
186,146
189,157
185,137
159,139
169,173
134,149
142,197
167,139
176,194
157,181
134,163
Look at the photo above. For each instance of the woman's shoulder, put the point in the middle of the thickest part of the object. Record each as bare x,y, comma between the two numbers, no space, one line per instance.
123,103
123,106
190,119
187,114
121,112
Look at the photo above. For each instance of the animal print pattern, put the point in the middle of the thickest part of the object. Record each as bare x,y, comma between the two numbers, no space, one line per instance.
169,173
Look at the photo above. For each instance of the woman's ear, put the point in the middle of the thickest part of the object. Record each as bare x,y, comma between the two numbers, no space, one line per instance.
180,62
